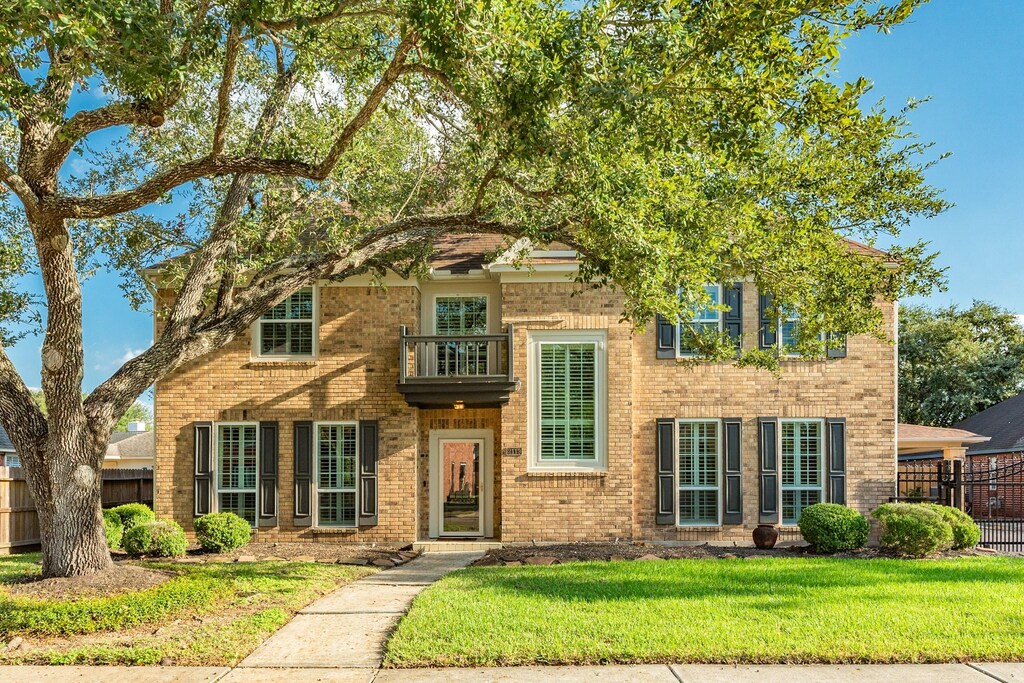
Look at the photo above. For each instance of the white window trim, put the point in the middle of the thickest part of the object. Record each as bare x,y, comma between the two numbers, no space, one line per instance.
316,475
538,338
821,465
778,336
8,457
431,359
718,474
215,507
257,334
681,323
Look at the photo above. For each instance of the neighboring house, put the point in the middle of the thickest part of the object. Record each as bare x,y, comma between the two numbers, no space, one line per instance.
1000,459
922,442
131,449
514,404
8,456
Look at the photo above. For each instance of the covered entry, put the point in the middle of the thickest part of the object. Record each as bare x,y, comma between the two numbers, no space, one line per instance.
461,496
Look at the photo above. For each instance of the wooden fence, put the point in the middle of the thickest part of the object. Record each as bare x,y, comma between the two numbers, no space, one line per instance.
19,525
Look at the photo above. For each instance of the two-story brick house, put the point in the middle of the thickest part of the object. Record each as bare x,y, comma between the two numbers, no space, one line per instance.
502,402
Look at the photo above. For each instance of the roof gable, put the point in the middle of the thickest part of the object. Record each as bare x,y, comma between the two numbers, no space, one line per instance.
1004,422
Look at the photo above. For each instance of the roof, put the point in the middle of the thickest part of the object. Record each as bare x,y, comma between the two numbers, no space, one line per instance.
5,442
861,248
1004,422
917,439
132,445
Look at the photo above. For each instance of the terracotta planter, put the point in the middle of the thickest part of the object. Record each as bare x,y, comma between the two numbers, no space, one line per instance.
765,536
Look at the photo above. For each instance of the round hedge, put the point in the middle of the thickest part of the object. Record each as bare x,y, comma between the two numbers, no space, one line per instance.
133,514
912,529
113,529
222,531
966,532
833,528
156,539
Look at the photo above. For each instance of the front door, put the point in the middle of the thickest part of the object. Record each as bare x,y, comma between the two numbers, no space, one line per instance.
460,483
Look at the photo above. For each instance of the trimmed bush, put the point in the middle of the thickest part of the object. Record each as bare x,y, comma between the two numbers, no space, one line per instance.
966,532
113,529
913,529
222,531
132,514
156,539
832,528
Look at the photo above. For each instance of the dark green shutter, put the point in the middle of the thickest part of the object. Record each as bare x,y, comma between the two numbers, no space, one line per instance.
732,320
268,475
835,435
732,482
666,502
768,459
768,334
666,333
202,486
303,449
369,449
838,351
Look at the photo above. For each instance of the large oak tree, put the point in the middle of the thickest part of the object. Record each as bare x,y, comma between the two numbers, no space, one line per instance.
272,143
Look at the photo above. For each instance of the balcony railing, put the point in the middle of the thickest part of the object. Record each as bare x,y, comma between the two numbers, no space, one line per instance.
458,370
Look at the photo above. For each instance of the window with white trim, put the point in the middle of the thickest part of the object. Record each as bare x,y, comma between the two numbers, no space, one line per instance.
568,406
12,460
802,451
336,462
288,329
459,316
237,447
708,319
698,454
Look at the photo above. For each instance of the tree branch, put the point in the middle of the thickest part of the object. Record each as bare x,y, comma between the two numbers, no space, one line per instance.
18,185
19,414
224,92
286,24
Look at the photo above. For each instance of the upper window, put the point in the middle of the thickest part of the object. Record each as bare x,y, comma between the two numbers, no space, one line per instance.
708,319
288,330
336,474
460,316
698,456
802,458
236,470
568,406
12,460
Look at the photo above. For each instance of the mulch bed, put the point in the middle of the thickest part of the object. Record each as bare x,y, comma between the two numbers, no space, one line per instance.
123,578
332,553
589,552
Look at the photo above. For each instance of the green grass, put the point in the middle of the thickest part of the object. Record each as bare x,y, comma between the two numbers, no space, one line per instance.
763,611
211,614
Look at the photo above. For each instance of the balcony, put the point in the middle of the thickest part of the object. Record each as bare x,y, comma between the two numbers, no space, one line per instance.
469,371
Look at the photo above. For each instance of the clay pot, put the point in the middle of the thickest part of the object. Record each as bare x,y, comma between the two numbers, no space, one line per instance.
765,536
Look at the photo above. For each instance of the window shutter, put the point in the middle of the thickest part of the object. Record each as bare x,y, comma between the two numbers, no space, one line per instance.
732,507
667,332
732,320
666,482
202,488
839,351
768,459
835,443
369,449
268,475
767,338
303,449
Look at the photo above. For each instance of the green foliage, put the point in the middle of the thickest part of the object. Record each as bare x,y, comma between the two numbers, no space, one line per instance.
912,529
833,528
138,412
956,362
162,538
113,529
222,531
132,514
966,532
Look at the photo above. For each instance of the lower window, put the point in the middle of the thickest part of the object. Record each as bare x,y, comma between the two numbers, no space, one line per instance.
697,463
802,458
336,474
236,470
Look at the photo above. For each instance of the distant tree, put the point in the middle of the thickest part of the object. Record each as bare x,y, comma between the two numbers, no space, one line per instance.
138,412
955,362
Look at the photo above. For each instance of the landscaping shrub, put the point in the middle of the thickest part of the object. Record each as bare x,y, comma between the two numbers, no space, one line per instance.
156,539
113,529
966,533
832,528
912,529
133,514
222,531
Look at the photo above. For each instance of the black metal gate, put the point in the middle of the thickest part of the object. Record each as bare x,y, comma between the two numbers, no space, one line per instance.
989,489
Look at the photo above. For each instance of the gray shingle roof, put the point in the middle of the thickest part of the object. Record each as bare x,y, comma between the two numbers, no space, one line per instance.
1004,422
5,443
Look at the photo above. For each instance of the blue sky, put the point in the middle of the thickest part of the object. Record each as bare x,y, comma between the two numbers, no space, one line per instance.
965,54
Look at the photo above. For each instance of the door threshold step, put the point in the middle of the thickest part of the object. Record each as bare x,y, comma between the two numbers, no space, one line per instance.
455,546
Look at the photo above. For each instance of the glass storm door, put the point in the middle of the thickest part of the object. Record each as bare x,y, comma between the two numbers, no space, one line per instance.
461,502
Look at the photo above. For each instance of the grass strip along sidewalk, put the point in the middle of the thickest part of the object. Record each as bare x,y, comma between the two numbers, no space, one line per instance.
757,610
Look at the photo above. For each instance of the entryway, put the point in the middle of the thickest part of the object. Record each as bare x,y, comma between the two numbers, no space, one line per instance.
461,492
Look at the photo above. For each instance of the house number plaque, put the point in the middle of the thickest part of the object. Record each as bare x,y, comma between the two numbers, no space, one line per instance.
511,452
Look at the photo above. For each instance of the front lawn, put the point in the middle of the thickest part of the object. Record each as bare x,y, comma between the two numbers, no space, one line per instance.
209,614
756,610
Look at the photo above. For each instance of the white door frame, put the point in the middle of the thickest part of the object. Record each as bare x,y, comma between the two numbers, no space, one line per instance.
435,503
